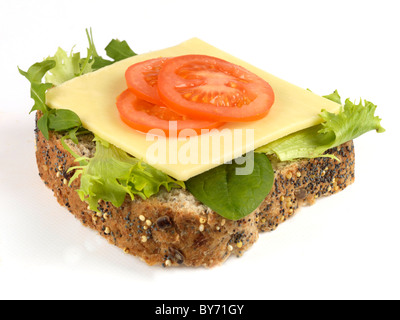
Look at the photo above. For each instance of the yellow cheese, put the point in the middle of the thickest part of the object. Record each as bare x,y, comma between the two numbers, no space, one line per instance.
92,97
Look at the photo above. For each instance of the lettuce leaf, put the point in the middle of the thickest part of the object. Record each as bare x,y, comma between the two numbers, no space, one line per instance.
70,66
112,174
352,121
66,67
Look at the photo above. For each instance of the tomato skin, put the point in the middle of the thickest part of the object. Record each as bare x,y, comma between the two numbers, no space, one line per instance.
213,89
141,79
145,116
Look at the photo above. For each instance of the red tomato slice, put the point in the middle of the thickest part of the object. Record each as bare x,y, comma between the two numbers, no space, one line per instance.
145,116
209,88
141,79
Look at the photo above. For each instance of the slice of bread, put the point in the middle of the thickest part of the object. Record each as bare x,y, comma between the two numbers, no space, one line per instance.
173,228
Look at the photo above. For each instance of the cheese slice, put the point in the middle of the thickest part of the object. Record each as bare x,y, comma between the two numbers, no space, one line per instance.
93,96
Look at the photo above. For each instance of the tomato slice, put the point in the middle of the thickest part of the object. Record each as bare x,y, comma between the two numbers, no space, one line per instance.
209,88
145,116
141,79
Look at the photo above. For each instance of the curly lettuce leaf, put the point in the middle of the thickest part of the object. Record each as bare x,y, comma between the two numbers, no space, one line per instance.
334,96
352,121
71,66
66,67
112,174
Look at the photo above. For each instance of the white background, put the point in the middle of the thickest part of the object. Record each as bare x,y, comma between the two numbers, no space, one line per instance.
344,247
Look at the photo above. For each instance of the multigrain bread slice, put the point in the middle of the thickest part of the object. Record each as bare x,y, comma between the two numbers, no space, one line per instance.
173,228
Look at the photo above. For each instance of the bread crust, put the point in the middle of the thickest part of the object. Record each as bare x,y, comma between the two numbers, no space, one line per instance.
174,229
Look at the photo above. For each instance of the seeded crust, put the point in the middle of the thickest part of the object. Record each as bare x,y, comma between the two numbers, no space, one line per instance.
173,228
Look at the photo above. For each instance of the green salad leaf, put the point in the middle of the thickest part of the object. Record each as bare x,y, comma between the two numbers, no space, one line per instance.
112,174
36,72
116,50
231,195
334,96
63,120
352,121
71,66
52,119
38,89
66,67
38,94
63,67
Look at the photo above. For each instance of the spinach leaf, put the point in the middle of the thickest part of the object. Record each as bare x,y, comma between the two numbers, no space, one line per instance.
231,195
